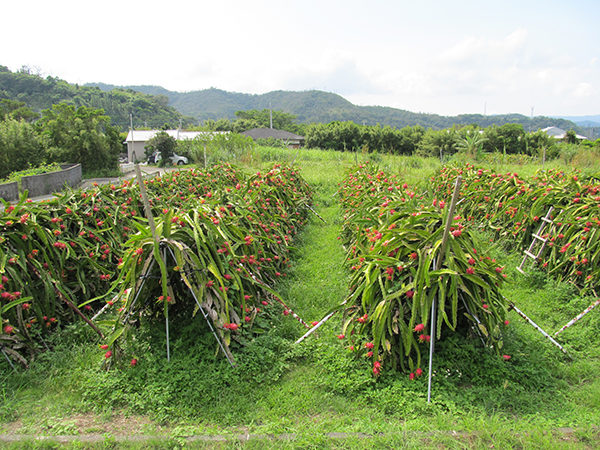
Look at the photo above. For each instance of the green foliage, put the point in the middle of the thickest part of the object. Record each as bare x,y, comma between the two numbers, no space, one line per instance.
33,92
271,142
20,147
571,137
324,107
438,143
42,168
221,125
75,135
393,239
13,109
471,143
66,252
262,119
163,144
512,209
347,136
216,147
209,254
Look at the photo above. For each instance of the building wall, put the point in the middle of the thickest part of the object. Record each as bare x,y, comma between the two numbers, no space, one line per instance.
48,183
136,150
9,191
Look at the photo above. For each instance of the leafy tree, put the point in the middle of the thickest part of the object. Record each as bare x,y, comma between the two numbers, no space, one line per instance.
350,136
163,144
241,125
571,137
509,137
271,142
539,142
410,139
20,147
218,125
116,140
12,109
281,120
40,93
75,135
436,141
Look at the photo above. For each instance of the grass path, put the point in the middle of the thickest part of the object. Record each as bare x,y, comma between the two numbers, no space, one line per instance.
318,280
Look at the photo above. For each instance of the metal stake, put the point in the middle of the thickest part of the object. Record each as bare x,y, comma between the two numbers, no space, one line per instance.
164,257
431,346
313,329
587,310
534,325
7,358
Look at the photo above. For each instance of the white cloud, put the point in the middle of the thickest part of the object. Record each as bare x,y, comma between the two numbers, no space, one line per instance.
583,90
475,50
337,71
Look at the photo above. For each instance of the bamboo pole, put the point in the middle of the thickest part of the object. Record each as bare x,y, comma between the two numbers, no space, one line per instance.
147,209
438,265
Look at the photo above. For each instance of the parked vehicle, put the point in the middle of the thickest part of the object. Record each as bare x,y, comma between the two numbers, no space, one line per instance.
176,160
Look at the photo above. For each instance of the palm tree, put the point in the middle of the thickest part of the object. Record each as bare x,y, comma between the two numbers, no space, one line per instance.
471,144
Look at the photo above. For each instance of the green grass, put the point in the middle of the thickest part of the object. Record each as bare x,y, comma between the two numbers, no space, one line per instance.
317,387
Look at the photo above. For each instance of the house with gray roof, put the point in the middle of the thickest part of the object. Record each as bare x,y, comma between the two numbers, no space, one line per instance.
559,134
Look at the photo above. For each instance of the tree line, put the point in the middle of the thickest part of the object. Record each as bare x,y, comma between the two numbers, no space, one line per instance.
62,134
40,93
510,138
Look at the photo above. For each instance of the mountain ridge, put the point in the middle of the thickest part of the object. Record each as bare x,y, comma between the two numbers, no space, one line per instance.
324,107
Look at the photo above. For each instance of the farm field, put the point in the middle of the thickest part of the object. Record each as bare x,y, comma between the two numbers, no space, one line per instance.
304,393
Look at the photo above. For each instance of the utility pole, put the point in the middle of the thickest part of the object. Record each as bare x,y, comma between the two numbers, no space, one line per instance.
484,108
271,114
133,156
531,123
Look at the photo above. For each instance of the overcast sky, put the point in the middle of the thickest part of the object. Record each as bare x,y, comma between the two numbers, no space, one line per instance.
435,56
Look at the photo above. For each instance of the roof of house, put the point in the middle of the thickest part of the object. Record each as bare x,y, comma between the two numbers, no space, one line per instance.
146,135
265,133
559,133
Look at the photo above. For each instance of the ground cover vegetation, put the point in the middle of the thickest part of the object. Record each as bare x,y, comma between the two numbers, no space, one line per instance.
323,385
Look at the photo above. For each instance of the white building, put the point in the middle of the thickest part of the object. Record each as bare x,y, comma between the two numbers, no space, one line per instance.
137,140
558,133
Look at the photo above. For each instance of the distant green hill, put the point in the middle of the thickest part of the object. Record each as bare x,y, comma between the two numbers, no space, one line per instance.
325,107
41,93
